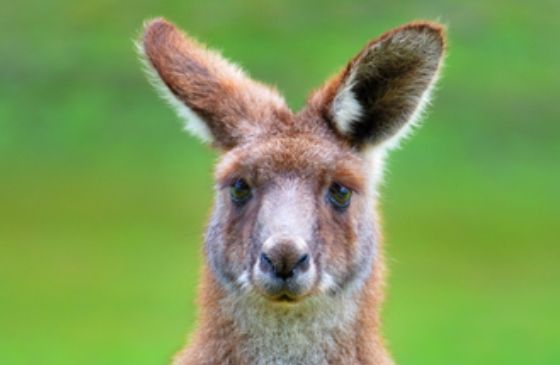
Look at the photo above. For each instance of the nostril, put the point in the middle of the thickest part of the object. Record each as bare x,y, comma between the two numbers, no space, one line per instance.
303,263
266,264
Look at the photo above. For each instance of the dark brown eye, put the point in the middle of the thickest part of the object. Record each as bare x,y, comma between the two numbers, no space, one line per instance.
240,192
339,196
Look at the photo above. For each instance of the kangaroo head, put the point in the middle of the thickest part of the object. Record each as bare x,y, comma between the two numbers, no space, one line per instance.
295,192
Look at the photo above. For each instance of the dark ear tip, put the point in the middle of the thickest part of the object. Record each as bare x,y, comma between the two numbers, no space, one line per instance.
436,30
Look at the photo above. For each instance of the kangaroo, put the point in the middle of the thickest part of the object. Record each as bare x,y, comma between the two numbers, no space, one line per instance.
293,270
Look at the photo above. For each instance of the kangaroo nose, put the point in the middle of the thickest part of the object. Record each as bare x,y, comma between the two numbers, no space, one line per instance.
284,259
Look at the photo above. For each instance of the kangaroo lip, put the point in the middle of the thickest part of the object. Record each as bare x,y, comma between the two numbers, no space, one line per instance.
286,298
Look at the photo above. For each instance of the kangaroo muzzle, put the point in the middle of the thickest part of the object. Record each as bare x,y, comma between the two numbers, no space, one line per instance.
285,269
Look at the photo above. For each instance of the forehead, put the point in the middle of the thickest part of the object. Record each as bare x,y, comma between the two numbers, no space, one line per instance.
303,157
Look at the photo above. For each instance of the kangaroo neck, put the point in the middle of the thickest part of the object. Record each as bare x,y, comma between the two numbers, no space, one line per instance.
246,329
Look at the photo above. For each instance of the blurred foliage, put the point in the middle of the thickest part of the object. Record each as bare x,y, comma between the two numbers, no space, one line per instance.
103,200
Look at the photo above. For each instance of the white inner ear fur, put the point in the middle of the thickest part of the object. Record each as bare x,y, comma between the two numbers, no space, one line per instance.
345,107
193,123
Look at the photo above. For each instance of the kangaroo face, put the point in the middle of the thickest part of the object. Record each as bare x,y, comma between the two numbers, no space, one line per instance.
288,220
295,193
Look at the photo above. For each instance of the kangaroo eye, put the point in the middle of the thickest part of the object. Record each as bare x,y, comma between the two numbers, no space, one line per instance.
240,192
339,196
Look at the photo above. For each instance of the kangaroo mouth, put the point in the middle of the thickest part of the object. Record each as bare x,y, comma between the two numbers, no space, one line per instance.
285,298
284,295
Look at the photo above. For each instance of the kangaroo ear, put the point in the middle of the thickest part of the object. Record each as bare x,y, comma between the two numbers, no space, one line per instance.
218,102
383,90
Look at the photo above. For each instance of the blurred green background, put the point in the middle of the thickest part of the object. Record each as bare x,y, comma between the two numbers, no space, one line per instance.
103,198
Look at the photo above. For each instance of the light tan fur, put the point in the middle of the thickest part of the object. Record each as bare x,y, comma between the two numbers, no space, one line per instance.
292,275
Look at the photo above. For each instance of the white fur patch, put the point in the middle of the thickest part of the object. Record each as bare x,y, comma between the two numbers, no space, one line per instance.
243,280
286,334
327,283
193,123
345,107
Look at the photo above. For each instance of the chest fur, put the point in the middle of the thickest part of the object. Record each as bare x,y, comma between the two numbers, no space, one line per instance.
316,333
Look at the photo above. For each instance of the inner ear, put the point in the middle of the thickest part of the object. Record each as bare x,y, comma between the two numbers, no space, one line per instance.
382,91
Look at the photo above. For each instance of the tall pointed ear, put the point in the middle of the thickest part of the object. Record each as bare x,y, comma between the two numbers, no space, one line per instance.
383,90
219,103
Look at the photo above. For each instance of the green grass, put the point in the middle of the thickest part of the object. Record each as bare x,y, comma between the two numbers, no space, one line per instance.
103,199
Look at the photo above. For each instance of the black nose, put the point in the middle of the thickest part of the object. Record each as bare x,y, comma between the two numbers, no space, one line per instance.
283,261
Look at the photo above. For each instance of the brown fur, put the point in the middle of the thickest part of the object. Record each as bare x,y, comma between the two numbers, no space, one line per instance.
289,161
210,86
